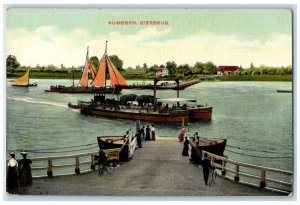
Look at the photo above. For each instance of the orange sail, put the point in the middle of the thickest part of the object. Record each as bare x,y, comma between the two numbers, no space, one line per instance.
115,76
100,78
84,81
120,79
85,75
93,70
24,80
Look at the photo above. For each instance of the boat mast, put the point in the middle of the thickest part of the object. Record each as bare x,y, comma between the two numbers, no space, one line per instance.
73,76
28,77
106,65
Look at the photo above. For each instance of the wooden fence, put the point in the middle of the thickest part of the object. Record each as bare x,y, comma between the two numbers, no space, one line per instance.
51,165
263,172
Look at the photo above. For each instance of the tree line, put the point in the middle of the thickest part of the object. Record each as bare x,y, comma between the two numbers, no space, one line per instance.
199,68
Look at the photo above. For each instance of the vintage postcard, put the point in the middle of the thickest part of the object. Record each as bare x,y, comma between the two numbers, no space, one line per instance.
161,102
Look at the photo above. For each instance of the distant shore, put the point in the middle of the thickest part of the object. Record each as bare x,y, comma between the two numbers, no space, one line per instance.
40,75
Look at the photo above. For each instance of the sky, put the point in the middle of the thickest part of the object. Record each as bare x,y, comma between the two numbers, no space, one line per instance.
58,36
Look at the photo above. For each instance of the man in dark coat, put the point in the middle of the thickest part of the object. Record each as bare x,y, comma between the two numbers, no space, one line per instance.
25,175
102,161
206,166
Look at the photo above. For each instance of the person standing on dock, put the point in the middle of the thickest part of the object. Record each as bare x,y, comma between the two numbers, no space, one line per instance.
153,133
206,166
12,182
143,133
181,135
25,175
185,151
102,162
139,139
148,133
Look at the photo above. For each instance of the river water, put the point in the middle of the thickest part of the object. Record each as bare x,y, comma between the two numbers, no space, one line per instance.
255,119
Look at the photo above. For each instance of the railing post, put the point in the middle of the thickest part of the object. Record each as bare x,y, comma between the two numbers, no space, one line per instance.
49,171
93,162
77,169
262,179
223,168
237,175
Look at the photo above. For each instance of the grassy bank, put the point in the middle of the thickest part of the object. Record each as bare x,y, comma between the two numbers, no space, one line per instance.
150,76
256,78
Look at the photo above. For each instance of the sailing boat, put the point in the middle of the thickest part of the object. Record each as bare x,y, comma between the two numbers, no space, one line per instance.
23,81
116,79
96,87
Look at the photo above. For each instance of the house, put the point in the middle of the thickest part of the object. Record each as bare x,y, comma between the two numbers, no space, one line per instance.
161,72
227,69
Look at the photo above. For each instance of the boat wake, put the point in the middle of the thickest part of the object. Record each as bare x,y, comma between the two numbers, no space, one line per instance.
30,100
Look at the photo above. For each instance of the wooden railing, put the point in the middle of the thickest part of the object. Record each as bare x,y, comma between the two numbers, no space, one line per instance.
51,165
261,177
52,161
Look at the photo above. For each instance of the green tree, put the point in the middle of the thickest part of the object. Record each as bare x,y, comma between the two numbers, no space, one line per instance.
95,61
199,67
209,68
183,69
12,63
171,66
117,62
145,66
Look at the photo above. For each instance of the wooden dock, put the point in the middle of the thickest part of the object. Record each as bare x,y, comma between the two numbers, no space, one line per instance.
157,169
163,86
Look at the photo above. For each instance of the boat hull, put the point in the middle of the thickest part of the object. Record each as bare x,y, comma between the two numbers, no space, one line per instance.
201,113
177,117
29,85
78,90
214,146
126,148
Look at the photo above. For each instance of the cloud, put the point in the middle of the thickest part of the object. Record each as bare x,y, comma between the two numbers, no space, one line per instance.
49,45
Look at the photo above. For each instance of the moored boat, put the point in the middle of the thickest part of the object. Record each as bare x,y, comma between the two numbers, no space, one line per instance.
23,81
79,89
123,147
215,146
284,91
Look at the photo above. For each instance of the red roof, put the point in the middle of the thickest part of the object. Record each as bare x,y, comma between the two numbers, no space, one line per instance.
159,69
228,68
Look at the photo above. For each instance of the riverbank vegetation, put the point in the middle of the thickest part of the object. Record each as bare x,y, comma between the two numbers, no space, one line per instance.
184,72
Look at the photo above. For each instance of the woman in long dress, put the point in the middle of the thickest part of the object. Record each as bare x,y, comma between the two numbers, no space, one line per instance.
12,174
25,171
185,151
148,133
153,133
